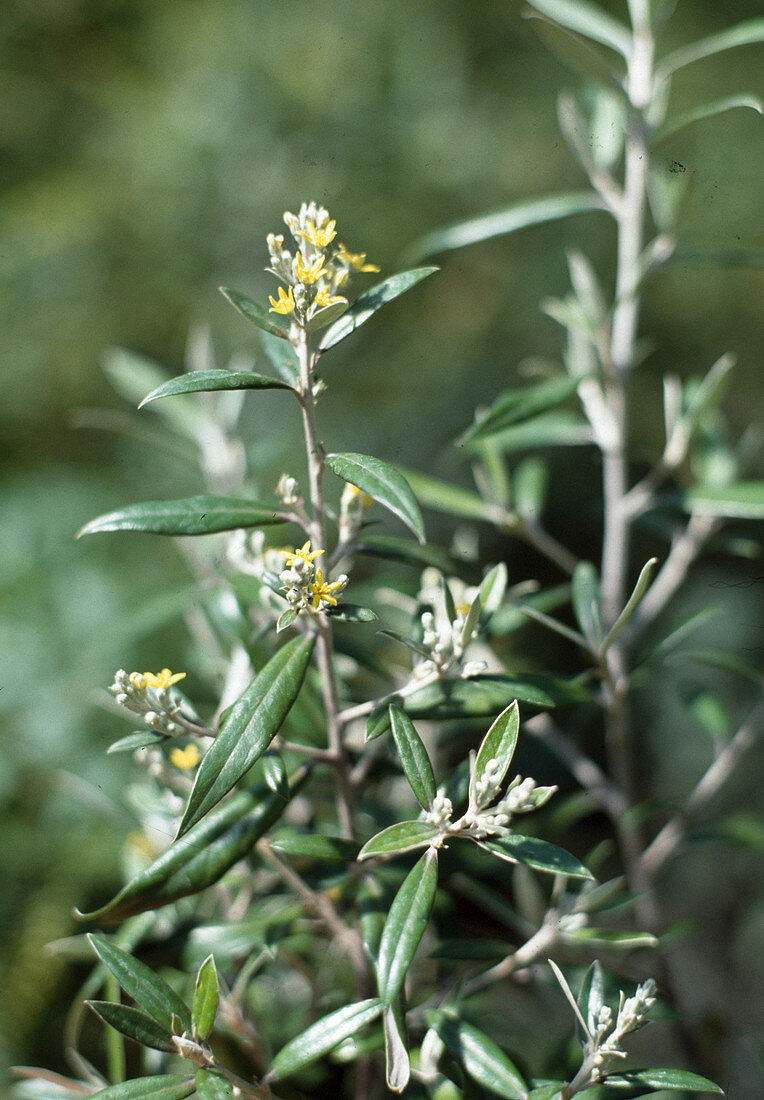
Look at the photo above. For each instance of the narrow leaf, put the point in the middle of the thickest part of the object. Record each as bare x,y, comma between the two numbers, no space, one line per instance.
167,1086
589,20
443,497
744,34
484,1061
282,357
493,587
315,846
740,500
708,110
410,553
202,856
204,1006
404,836
413,756
663,1079
585,593
352,613
208,381
590,1000
405,925
253,722
410,643
367,304
518,405
397,1064
507,220
209,1086
285,619
275,775
382,482
536,853
138,740
146,988
134,1024
199,515
497,748
563,428
255,313
323,1036
633,602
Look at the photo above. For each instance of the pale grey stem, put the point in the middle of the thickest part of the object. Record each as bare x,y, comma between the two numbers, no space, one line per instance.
714,778
324,642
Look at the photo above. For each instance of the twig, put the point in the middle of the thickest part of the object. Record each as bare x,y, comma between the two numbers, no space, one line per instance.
714,778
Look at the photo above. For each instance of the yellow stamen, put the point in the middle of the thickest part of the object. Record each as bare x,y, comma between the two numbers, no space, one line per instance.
187,758
285,303
310,274
319,237
161,679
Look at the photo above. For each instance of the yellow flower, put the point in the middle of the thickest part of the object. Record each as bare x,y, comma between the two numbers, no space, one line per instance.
303,554
324,591
161,679
187,758
285,303
356,260
319,237
310,274
462,609
325,298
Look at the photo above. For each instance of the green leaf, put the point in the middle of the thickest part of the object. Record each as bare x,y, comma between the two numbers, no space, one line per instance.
275,775
410,643
443,497
138,740
515,406
253,722
740,500
168,1086
382,482
316,846
202,856
585,592
492,588
663,1079
578,53
410,553
204,1006
323,1036
536,853
255,313
553,429
207,381
590,1000
413,756
607,937
633,602
405,925
497,746
507,220
404,836
367,304
145,987
134,1024
209,1086
282,357
589,20
708,110
483,1060
744,34
326,316
285,619
397,1064
549,1091
199,515
352,613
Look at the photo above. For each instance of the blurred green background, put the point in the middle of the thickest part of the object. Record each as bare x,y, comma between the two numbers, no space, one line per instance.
147,148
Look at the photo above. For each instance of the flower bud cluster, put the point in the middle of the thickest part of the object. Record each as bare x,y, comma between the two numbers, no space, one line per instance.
287,490
607,1034
150,695
440,811
313,273
303,583
483,819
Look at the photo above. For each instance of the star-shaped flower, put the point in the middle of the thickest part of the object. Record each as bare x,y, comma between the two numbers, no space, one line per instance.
324,297
285,303
310,274
319,237
161,679
302,554
355,260
323,591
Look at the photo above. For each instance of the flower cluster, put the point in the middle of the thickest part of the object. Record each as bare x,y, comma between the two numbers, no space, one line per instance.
487,817
443,636
304,584
607,1031
314,272
151,696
